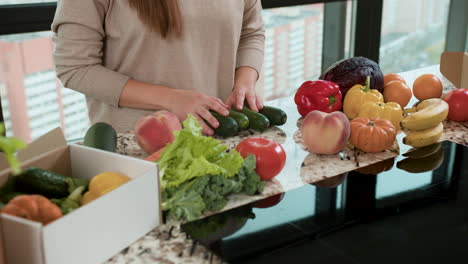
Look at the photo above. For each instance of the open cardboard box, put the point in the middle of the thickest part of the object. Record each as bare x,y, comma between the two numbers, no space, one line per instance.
94,232
454,66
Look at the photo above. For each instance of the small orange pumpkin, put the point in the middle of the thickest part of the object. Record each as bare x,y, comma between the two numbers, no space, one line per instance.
33,207
372,134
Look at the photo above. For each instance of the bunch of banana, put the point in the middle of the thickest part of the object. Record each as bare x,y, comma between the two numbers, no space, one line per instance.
423,159
423,124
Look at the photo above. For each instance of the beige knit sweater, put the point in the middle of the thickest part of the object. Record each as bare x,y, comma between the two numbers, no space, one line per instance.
100,44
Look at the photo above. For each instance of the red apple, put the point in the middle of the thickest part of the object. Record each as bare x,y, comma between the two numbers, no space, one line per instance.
154,131
325,133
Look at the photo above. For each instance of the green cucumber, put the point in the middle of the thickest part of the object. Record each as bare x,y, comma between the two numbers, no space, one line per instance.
276,116
101,136
241,119
257,121
228,127
40,181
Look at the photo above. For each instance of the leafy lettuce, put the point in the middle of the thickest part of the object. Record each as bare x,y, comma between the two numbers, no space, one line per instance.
193,155
198,173
209,192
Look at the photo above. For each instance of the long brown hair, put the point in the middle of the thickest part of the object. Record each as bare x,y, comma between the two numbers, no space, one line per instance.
161,16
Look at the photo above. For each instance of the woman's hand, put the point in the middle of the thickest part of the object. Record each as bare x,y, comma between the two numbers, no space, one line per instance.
197,104
244,90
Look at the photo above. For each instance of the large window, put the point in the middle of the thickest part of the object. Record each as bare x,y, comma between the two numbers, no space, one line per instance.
413,33
33,100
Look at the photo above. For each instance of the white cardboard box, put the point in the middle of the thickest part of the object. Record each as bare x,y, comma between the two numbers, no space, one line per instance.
96,231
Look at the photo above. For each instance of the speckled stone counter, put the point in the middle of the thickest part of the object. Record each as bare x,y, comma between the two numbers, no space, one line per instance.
167,244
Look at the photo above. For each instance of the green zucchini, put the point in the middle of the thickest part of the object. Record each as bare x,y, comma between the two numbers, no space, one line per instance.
40,181
228,127
240,118
257,121
101,136
276,116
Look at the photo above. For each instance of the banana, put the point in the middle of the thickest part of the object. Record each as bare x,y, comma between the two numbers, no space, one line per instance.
428,114
428,163
422,138
418,153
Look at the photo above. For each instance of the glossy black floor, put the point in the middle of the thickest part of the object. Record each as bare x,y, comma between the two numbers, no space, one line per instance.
392,217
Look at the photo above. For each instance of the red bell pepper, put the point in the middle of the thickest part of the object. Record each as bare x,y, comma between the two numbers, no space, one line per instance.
319,95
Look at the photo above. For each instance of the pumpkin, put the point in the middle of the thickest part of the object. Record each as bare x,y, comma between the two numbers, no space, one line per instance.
33,207
372,134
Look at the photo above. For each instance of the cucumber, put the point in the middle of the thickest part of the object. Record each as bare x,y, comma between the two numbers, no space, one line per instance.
101,136
241,119
257,121
228,127
40,181
276,116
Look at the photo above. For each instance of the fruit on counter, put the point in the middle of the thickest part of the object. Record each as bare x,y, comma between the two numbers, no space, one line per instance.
276,116
425,164
101,136
423,152
427,86
319,95
350,72
241,119
102,184
154,131
269,201
357,96
378,167
325,133
10,146
33,207
228,127
425,115
390,111
389,77
257,121
422,138
398,92
45,182
270,156
458,104
372,134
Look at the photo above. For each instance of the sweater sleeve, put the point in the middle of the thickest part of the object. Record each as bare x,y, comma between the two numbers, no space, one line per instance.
252,40
79,34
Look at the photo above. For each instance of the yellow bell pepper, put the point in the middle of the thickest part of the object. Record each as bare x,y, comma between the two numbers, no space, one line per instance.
357,96
102,184
390,111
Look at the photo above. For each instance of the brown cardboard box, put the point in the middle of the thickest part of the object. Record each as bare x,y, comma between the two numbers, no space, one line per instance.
454,66
94,232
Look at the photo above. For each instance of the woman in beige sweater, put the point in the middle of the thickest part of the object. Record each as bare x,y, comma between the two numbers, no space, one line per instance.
132,57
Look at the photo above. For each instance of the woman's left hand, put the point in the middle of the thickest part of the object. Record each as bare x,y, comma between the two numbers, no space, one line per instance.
244,90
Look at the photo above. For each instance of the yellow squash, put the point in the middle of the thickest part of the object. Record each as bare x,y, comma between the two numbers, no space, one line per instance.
357,96
390,111
102,184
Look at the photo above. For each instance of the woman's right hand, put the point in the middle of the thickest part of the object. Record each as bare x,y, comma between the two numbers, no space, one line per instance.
186,102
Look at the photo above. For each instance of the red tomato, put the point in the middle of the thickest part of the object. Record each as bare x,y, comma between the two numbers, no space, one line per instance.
270,156
458,104
269,201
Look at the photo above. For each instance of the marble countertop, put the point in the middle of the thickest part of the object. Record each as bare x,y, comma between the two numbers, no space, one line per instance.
168,244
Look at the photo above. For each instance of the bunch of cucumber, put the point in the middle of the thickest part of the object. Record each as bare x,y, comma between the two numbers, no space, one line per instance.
247,119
